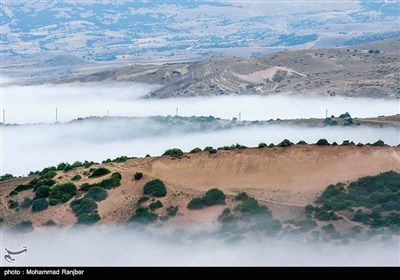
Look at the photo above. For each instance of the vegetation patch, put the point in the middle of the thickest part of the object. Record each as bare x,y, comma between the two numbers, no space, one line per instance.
155,205
98,172
23,227
97,193
143,216
62,193
39,204
76,178
155,188
175,152
83,206
211,197
138,176
89,218
6,177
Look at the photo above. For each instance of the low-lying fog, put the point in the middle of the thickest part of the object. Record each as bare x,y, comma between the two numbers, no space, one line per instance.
32,147
99,246
32,104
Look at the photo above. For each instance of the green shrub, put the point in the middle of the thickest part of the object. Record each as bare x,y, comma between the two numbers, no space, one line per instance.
251,206
6,177
62,192
155,205
12,204
262,145
76,177
53,202
39,204
329,228
143,199
121,159
143,216
138,175
175,152
86,186
306,225
226,216
27,202
195,203
213,197
98,172
172,211
285,143
309,209
323,215
49,175
13,193
241,196
322,142
88,218
147,156
345,115
83,206
271,145
42,192
23,227
22,188
195,150
346,143
378,143
301,142
155,188
208,149
97,193
112,182
361,217
213,151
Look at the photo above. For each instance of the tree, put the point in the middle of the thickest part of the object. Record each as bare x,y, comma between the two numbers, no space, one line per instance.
138,175
195,204
322,142
96,193
195,150
39,205
155,188
213,197
285,143
175,152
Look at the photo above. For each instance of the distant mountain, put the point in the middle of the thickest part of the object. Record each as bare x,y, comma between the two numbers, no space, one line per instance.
149,31
367,70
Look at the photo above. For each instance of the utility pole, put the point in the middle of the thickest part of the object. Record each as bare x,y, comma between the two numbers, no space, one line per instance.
326,113
56,115
177,110
4,116
240,116
108,112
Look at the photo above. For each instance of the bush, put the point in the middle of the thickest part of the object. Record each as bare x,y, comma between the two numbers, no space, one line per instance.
76,177
138,175
301,142
324,215
213,151
49,175
112,182
208,149
27,202
6,176
175,152
155,188
285,143
39,204
83,206
97,193
63,192
329,228
42,192
322,142
378,143
98,172
241,196
213,197
12,204
24,227
309,209
143,216
147,155
250,206
195,150
172,211
89,218
226,216
262,145
143,199
345,115
155,205
195,203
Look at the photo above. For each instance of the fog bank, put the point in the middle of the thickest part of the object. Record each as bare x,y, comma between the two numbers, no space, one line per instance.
32,104
32,147
101,246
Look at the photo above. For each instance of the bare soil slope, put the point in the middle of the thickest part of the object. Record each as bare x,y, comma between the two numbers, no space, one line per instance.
285,179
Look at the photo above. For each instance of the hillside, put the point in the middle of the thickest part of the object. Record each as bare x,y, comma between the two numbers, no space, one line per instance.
368,70
284,179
